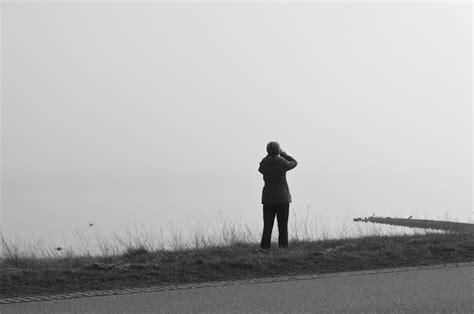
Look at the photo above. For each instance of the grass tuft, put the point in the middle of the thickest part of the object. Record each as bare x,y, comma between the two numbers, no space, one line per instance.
134,252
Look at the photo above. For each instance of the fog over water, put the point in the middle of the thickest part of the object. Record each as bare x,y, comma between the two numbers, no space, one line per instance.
154,116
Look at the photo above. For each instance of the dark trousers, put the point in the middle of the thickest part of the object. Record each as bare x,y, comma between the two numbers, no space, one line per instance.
281,211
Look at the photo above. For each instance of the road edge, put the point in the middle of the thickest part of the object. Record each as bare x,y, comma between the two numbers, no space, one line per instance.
173,287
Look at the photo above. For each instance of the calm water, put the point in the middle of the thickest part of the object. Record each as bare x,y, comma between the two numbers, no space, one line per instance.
57,210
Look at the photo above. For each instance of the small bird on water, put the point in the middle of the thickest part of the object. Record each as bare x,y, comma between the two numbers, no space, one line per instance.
59,248
91,224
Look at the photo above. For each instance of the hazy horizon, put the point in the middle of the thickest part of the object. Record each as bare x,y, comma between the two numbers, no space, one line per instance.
146,113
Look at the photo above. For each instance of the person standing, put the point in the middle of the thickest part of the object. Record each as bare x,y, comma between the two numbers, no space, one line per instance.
276,197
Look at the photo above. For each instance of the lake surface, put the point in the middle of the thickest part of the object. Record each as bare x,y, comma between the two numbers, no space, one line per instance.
82,212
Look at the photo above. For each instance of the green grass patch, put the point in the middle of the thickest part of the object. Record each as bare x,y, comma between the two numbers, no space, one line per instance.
139,266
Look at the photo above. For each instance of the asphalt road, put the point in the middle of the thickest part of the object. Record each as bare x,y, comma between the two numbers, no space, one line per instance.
419,291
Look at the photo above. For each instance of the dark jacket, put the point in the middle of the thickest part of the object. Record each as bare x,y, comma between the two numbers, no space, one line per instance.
274,171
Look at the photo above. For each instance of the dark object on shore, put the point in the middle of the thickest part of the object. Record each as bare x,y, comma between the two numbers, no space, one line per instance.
59,248
460,227
410,217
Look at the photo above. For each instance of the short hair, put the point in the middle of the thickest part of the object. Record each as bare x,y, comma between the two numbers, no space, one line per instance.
273,149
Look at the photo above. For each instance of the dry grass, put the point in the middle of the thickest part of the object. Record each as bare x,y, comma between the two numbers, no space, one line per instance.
139,264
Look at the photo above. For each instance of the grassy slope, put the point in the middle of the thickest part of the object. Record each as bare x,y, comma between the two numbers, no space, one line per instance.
138,267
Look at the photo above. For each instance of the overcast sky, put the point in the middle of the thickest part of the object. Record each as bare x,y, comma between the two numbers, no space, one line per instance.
139,87
364,88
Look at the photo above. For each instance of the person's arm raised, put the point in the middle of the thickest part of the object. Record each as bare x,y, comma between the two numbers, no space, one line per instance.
291,162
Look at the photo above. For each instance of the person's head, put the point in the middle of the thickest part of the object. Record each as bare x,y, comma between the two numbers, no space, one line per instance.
273,149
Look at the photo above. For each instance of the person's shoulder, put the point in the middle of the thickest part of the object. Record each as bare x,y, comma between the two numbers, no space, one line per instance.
280,158
277,160
271,159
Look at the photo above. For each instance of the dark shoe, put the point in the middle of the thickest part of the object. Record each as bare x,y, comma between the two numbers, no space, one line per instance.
265,244
283,241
